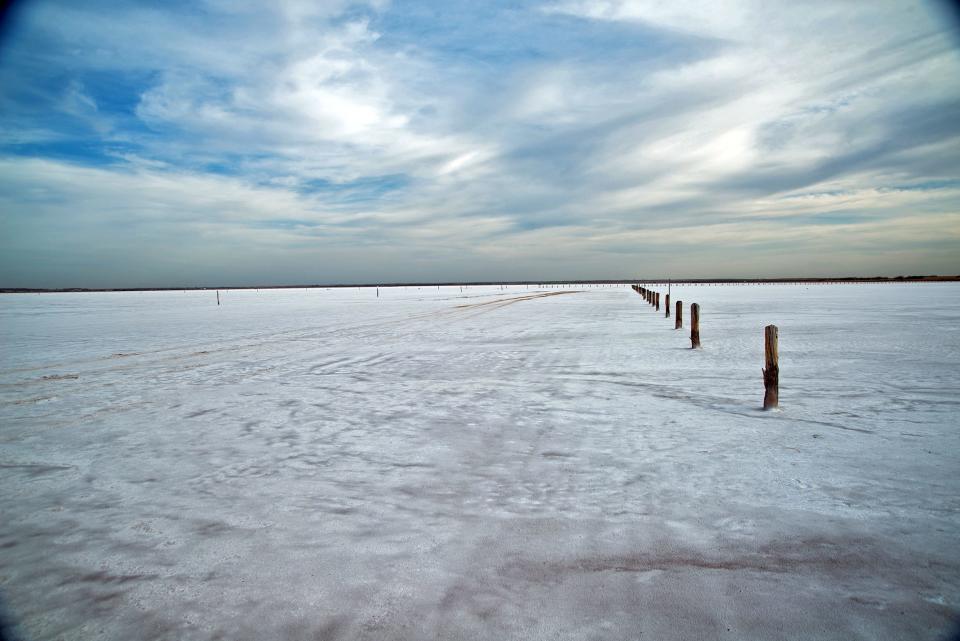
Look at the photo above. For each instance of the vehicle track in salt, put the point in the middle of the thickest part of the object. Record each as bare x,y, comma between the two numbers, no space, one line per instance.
194,356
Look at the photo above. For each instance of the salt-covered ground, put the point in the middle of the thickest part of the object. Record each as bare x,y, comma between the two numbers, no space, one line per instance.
480,464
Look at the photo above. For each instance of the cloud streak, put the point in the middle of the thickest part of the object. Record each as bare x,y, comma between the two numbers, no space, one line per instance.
230,143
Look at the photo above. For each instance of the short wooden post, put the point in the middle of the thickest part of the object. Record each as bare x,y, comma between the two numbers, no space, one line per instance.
679,315
667,306
771,373
695,326
657,297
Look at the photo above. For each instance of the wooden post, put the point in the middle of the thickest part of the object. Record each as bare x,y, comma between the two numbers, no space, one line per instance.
667,306
694,326
657,297
679,315
218,298
771,373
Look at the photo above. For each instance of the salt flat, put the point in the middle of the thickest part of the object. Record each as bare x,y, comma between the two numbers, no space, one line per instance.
480,463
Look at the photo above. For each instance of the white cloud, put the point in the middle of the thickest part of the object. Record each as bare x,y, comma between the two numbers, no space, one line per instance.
753,115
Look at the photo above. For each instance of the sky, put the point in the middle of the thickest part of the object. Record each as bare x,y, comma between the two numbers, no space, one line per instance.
240,142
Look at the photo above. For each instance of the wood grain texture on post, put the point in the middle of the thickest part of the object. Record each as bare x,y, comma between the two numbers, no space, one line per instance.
667,306
679,322
695,326
771,371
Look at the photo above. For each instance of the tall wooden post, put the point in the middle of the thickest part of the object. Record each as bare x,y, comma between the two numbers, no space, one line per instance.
667,306
679,322
657,297
695,326
771,373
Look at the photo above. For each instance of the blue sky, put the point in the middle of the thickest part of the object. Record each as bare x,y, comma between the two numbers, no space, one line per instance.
231,142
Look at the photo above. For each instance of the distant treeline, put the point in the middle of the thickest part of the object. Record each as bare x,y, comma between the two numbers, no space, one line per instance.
620,281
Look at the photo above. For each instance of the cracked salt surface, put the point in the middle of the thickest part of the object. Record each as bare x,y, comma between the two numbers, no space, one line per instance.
480,464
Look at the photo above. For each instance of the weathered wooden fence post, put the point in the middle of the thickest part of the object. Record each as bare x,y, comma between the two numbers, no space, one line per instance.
218,298
679,322
667,306
695,326
657,297
771,373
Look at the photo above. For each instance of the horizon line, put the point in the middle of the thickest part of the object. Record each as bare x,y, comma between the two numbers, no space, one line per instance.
610,281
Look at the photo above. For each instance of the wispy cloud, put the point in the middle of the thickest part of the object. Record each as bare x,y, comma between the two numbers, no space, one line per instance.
154,144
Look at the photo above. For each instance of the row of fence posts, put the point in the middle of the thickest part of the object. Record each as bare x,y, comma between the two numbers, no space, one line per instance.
771,370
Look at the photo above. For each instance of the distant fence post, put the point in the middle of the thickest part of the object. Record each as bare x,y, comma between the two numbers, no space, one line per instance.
667,306
695,326
679,322
771,373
